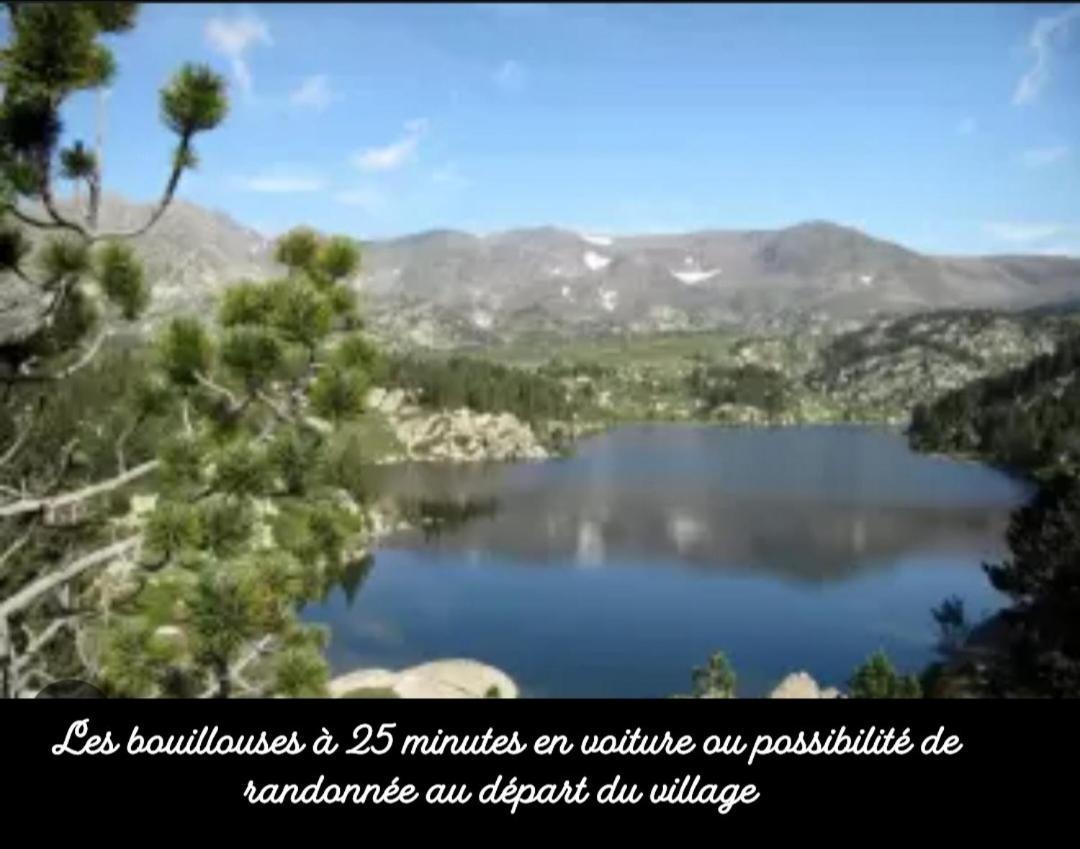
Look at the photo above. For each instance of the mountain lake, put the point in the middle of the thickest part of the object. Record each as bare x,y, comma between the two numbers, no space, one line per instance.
614,572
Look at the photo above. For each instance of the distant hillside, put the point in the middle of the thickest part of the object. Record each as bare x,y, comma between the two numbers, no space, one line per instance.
448,288
190,255
815,274
1028,417
887,367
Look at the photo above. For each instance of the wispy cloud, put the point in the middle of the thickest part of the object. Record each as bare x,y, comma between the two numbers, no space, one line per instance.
282,180
314,92
234,37
1046,35
392,156
509,76
1041,157
967,127
1025,232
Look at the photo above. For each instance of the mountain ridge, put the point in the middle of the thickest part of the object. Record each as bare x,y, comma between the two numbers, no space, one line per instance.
445,287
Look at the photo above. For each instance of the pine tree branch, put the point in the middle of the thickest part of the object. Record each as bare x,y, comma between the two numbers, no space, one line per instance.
166,197
62,292
59,221
12,450
261,647
42,223
27,279
121,441
34,590
67,371
66,453
227,394
47,506
16,446
314,424
36,644
49,202
15,547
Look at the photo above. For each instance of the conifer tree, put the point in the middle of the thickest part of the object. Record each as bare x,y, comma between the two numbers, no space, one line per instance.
1042,578
877,679
252,517
71,283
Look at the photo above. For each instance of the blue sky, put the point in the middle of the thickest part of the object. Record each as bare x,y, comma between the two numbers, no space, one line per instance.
947,128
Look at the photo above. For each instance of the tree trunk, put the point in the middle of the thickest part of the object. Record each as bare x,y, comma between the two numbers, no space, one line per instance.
224,677
5,659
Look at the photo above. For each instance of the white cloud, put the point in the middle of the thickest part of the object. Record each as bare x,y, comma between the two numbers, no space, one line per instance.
967,127
1040,157
233,37
395,154
1023,232
509,76
314,92
1046,35
283,181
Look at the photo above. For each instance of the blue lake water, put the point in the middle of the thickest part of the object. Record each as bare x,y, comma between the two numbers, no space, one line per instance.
616,571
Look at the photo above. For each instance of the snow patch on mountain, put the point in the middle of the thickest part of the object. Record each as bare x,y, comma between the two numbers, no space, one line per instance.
608,299
692,278
482,319
599,241
595,262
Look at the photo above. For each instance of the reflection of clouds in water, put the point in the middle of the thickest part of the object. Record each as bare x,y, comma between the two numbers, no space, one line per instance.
816,505
590,544
685,530
858,534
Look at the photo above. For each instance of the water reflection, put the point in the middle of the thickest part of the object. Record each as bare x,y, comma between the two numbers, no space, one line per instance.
860,502
615,571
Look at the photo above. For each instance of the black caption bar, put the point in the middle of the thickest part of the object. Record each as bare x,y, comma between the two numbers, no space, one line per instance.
732,762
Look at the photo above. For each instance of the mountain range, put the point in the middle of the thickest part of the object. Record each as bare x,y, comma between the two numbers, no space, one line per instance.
446,287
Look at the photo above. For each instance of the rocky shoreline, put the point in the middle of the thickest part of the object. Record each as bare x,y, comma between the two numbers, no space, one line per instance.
456,678
464,678
453,436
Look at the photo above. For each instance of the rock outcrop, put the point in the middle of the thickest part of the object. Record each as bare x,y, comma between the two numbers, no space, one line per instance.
439,679
799,685
457,436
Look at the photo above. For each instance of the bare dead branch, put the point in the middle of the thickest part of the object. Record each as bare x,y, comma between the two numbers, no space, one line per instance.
35,589
37,643
57,502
